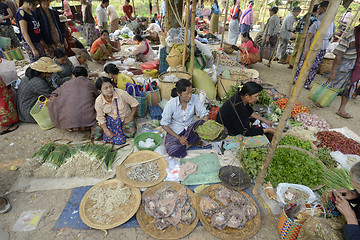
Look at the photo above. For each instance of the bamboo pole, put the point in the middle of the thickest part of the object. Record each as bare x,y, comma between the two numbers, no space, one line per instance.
301,45
134,8
223,32
264,12
192,43
314,49
166,15
348,25
157,7
186,33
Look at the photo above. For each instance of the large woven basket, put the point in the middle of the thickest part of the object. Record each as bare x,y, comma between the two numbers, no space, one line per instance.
224,85
166,87
288,229
325,66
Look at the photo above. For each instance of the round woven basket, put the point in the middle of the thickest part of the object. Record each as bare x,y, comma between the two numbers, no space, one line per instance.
225,84
121,214
227,48
166,87
147,223
140,156
325,66
252,226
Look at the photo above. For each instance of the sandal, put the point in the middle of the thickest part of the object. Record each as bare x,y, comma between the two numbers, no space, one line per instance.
7,207
10,128
343,115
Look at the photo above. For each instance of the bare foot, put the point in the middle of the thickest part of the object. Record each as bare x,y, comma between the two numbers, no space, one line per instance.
343,114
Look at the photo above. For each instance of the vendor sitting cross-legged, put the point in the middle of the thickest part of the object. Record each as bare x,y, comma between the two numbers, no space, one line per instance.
248,52
236,114
101,50
178,119
115,112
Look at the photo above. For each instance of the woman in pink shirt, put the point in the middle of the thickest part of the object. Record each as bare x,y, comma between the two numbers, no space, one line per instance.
248,52
247,18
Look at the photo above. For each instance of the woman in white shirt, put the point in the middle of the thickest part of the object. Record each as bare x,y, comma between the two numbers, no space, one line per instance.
143,52
113,18
178,119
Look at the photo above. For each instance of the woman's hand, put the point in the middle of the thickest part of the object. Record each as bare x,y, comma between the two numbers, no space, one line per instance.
344,207
183,140
269,123
127,120
270,130
347,194
108,133
36,53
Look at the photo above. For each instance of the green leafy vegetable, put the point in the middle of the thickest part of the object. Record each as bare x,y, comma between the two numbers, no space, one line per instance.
324,155
294,141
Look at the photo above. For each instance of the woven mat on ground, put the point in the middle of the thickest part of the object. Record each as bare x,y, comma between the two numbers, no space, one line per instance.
70,217
207,169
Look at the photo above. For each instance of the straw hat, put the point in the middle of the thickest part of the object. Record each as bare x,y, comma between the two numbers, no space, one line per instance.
82,52
45,65
63,18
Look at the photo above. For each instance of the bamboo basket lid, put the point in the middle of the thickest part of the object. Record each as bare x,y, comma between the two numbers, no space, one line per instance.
147,223
122,214
250,229
140,156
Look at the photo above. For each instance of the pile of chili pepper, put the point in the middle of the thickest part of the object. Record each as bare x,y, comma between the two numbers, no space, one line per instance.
338,142
281,103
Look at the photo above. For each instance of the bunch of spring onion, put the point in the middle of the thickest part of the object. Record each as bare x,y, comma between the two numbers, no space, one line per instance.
336,178
42,154
102,153
58,156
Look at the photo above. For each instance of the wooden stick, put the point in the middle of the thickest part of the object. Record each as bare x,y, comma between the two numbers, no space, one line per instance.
223,33
301,45
134,8
264,11
146,161
186,33
192,42
347,26
314,49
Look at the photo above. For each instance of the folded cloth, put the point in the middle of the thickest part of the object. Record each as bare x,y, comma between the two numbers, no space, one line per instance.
187,169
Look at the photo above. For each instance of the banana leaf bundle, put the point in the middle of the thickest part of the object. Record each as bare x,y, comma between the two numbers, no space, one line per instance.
44,151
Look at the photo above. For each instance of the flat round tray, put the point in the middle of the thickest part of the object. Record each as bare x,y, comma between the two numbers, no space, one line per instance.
251,227
122,214
140,156
234,178
147,223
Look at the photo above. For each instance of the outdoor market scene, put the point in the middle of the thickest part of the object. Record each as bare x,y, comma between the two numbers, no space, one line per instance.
178,119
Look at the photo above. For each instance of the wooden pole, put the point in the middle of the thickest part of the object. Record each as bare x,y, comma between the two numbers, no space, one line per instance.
348,25
223,32
314,49
301,45
134,8
186,33
167,15
264,12
192,43
157,7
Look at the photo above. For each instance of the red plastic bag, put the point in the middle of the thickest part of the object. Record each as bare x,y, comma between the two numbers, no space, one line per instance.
150,65
213,113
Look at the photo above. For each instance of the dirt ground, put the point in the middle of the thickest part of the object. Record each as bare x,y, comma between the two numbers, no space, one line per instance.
17,146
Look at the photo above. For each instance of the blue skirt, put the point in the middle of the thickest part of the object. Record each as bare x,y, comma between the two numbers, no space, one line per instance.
115,127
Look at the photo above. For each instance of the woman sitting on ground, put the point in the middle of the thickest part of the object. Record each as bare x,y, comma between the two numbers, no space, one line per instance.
154,29
119,78
236,115
143,52
248,52
101,50
178,119
37,82
115,112
63,61
72,106
347,202
80,59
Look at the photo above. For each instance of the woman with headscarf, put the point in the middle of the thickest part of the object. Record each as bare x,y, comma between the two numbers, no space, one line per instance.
30,30
247,18
50,27
214,21
235,14
37,82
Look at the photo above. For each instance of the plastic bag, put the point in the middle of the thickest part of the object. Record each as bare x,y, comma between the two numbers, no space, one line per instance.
28,221
346,161
8,71
283,187
129,61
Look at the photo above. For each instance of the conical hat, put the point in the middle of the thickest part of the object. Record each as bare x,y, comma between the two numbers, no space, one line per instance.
45,65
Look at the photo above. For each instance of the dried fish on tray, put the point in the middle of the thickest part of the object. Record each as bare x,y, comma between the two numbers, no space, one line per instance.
228,214
168,211
109,204
142,173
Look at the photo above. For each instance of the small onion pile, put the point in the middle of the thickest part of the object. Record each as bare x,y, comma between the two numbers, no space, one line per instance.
311,120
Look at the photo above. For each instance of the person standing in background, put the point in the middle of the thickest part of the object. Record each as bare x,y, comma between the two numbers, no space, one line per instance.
235,14
300,28
88,21
13,6
271,31
101,15
247,18
6,29
128,10
214,21
113,18
285,34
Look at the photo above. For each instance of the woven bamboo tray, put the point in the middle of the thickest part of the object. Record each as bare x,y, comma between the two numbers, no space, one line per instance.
122,214
251,227
166,87
140,156
147,223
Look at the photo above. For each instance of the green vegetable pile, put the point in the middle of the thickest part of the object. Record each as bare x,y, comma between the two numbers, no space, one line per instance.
102,153
324,155
336,178
229,93
264,98
275,112
287,166
294,141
